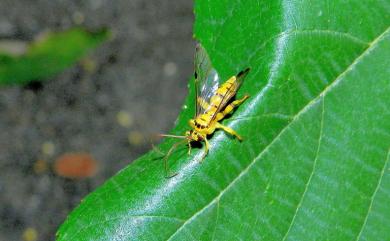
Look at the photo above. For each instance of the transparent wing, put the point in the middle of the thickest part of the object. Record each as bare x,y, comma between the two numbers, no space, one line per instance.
231,91
206,79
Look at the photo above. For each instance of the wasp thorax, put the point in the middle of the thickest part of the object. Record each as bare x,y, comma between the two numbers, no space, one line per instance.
192,123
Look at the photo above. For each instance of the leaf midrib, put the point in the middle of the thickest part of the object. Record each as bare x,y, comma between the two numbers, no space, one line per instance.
307,107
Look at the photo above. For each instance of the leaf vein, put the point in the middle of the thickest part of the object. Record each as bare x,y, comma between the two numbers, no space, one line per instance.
290,32
374,195
312,172
216,222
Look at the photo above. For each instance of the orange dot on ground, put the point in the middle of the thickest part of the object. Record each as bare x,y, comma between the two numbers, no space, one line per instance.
75,165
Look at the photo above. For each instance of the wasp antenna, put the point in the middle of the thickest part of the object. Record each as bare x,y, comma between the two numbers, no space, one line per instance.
173,136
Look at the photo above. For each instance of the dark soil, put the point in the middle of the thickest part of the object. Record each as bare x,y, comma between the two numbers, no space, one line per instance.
142,72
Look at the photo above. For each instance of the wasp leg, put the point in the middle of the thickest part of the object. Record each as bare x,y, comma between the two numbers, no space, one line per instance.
228,130
156,149
203,103
189,147
230,107
207,147
166,166
168,174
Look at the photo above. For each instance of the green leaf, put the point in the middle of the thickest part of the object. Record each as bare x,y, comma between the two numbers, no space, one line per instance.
314,163
49,55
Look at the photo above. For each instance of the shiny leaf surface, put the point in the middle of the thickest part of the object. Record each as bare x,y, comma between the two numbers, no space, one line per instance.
314,163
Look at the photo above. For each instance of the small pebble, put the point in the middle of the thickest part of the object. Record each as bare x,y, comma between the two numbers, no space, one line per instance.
30,234
40,166
48,148
124,118
136,138
170,69
75,165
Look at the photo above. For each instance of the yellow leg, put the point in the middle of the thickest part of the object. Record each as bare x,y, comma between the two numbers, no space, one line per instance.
189,147
207,147
228,130
230,107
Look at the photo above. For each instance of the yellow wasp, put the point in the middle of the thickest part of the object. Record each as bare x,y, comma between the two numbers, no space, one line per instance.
212,103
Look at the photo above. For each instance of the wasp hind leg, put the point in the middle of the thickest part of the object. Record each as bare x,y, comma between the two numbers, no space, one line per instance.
229,108
228,130
226,111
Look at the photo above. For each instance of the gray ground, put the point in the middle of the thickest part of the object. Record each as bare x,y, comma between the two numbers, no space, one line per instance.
142,71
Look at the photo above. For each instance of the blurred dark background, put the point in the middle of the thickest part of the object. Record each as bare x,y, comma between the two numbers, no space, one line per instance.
106,108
